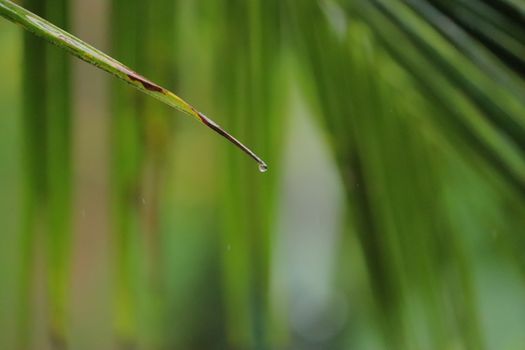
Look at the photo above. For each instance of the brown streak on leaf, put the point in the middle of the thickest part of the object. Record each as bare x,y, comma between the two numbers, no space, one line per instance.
148,85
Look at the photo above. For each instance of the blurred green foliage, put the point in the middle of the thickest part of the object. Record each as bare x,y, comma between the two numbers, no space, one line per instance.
174,235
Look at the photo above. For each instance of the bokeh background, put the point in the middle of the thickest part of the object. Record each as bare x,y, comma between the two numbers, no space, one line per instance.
392,215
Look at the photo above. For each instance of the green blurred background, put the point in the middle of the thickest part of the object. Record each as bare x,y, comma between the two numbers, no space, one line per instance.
392,215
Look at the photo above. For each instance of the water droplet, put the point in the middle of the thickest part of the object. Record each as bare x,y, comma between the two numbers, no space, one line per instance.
263,168
229,247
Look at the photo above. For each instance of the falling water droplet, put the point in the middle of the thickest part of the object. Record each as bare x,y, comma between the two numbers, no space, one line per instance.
263,168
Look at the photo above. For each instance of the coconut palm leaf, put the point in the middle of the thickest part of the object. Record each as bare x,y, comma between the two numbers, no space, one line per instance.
85,52
405,90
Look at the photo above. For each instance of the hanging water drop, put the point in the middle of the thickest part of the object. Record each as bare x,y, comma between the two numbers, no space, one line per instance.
263,167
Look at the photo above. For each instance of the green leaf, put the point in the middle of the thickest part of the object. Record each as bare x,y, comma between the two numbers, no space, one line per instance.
89,54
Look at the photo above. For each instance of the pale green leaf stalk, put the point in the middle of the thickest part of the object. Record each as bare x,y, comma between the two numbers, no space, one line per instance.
59,184
91,55
127,151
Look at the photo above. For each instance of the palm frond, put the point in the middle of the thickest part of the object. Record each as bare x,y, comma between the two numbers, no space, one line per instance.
405,90
85,52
